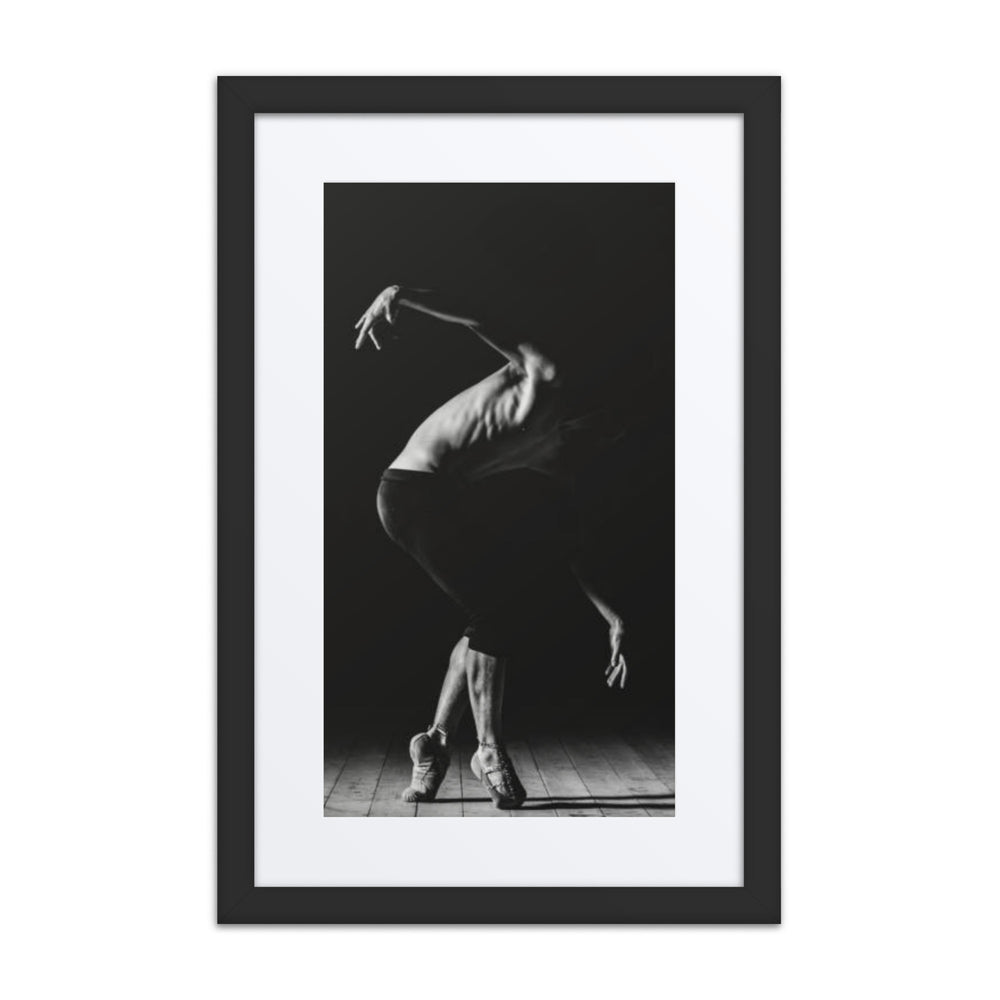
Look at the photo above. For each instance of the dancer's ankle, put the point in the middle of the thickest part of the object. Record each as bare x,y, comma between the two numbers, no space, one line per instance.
439,733
490,749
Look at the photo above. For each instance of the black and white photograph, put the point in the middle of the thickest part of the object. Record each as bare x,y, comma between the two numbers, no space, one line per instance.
499,498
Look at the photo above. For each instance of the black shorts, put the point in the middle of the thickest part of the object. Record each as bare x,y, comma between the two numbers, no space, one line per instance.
497,562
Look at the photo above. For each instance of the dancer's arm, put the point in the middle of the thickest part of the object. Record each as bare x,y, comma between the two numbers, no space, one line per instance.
450,309
617,668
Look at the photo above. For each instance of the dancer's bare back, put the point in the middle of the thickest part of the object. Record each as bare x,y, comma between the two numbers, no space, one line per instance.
509,420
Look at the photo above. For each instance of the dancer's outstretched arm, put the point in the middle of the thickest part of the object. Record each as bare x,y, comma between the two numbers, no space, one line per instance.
385,310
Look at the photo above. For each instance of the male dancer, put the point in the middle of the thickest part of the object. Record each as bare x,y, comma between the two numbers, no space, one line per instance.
519,417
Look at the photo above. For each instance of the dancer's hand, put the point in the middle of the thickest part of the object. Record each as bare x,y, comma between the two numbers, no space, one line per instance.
381,312
617,669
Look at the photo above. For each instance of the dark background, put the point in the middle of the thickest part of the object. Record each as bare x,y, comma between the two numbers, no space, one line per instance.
586,270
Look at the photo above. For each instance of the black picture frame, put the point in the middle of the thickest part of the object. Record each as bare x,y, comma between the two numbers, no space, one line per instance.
239,901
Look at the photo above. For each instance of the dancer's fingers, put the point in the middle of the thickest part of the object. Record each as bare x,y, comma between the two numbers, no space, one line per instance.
617,672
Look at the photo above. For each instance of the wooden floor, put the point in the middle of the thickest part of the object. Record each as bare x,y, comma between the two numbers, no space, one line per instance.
593,771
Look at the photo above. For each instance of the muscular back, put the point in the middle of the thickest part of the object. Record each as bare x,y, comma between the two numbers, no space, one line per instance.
509,420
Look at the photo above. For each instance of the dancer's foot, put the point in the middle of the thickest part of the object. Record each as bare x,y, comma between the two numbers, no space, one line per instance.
430,756
492,766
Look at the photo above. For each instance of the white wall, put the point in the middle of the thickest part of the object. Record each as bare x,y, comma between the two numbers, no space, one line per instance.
891,491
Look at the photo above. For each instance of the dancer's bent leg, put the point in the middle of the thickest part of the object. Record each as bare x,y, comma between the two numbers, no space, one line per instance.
490,762
429,751
453,700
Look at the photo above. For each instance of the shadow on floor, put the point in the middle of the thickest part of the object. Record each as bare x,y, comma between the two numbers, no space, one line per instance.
664,802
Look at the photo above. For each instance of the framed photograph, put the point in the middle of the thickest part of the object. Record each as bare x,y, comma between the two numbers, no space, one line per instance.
499,500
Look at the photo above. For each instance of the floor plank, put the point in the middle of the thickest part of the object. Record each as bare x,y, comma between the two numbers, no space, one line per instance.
334,759
527,770
393,779
568,794
355,787
658,752
600,778
636,777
